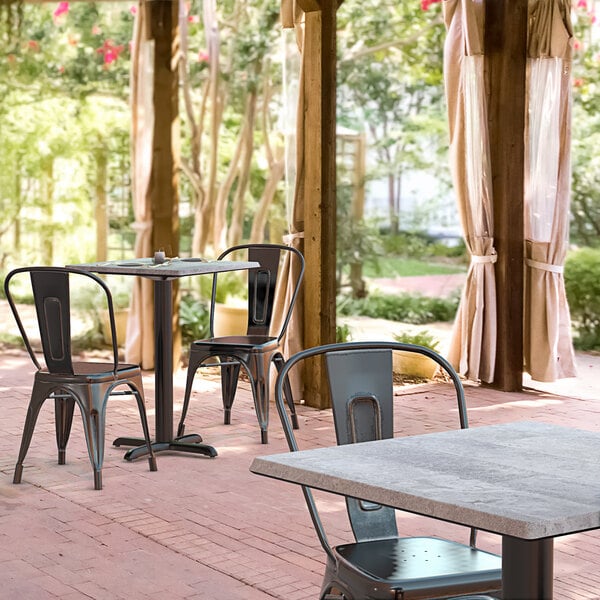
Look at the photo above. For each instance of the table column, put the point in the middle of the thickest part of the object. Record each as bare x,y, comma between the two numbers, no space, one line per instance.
527,568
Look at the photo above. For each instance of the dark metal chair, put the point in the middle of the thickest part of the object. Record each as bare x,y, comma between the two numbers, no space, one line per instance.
260,346
64,380
380,564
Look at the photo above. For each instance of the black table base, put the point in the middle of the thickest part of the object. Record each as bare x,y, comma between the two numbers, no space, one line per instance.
186,443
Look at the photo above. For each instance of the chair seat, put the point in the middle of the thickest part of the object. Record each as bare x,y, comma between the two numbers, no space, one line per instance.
90,371
258,343
412,561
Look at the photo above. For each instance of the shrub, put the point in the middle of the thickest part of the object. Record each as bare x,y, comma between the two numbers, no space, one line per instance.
343,333
582,284
407,308
421,338
194,319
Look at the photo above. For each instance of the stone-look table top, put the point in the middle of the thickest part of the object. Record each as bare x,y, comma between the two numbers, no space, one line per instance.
529,480
172,268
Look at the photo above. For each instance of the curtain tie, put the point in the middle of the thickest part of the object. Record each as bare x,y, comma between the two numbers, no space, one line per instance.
485,258
544,266
141,225
290,237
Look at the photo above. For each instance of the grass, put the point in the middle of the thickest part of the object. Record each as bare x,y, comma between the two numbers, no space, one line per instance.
408,267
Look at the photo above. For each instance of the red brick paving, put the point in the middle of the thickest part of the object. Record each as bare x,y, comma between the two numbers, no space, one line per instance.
208,529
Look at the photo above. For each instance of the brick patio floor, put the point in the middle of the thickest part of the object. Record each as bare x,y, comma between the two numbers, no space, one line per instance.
208,529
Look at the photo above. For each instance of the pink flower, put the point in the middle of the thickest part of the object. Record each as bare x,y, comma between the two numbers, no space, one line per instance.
426,4
96,30
133,10
33,46
577,45
203,56
60,10
110,52
194,19
582,4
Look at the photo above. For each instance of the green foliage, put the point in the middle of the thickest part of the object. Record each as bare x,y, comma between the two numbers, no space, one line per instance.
416,245
390,84
392,266
64,113
421,338
343,333
80,52
582,284
194,319
585,198
406,308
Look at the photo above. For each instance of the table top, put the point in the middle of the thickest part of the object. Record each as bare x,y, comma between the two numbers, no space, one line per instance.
170,269
529,480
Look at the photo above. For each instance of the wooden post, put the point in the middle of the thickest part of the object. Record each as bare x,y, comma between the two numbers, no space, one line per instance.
164,187
505,49
320,190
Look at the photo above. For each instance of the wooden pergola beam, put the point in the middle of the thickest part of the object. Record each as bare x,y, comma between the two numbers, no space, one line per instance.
505,50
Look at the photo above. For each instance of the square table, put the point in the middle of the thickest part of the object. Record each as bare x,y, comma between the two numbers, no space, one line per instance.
527,481
163,275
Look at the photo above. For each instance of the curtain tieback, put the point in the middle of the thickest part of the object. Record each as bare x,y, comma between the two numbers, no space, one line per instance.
544,266
290,237
141,225
485,258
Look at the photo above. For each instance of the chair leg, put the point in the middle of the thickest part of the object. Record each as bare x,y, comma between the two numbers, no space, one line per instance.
64,406
94,428
194,363
33,411
259,373
229,380
287,390
142,410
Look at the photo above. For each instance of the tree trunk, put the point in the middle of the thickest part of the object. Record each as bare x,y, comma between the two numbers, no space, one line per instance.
101,212
47,232
262,210
236,228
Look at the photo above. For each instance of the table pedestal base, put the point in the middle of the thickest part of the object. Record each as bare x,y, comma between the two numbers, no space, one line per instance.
527,568
186,443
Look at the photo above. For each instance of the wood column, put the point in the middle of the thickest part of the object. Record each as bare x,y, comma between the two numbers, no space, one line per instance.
164,179
505,49
320,189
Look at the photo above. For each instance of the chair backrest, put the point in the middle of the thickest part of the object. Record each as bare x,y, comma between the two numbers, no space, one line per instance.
360,376
51,288
279,264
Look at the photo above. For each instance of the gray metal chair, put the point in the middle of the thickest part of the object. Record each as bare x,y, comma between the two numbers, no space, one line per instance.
65,380
259,346
380,564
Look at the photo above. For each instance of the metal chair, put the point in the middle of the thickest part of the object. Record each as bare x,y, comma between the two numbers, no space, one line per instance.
380,564
64,380
260,346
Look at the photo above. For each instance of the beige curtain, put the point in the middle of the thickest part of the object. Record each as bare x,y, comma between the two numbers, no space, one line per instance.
548,351
472,348
293,16
139,347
